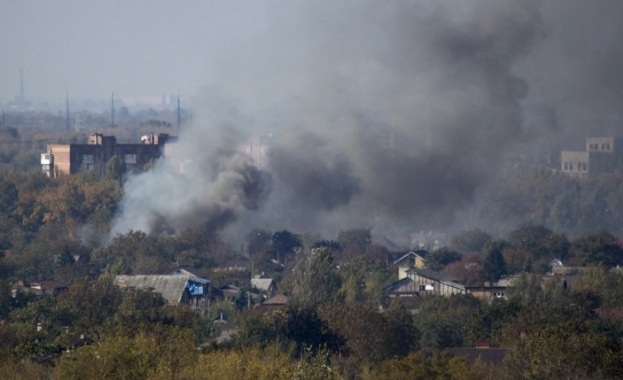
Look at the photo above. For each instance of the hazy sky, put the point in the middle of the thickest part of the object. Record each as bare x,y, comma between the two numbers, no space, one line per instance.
153,47
451,85
136,48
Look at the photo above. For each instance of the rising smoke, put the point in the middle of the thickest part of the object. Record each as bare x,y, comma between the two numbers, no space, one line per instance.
381,114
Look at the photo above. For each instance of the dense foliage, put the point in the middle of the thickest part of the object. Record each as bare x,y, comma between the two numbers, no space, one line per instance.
339,322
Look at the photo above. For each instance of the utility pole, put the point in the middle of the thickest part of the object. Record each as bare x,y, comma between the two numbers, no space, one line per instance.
68,126
179,113
112,111
21,84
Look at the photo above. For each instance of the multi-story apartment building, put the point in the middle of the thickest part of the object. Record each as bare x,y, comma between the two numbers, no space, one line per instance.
601,155
98,151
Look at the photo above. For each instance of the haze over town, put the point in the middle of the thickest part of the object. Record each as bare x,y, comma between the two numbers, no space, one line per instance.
452,88
351,189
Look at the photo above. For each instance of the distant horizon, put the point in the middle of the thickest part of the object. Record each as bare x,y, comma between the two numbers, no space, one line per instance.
133,102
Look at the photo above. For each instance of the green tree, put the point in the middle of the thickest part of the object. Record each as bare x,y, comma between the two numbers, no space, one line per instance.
114,169
93,303
162,353
294,328
469,271
284,244
443,321
362,237
363,279
136,252
140,307
566,350
258,241
8,197
442,257
259,247
470,241
597,249
6,299
419,366
601,286
493,261
331,244
314,279
541,243
371,336
31,261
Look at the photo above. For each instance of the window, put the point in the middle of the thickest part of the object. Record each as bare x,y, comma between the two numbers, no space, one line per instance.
88,159
566,166
129,158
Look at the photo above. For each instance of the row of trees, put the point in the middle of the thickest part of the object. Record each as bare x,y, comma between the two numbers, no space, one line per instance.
539,195
96,330
333,326
474,256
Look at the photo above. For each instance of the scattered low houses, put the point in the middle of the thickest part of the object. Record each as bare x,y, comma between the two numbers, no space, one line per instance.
419,282
40,288
175,289
488,291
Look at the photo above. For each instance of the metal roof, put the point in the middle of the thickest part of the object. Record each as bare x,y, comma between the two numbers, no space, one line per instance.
420,252
436,276
261,283
171,287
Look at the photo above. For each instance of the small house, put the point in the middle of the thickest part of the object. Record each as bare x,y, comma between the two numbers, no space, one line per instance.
175,289
413,259
266,286
279,300
423,282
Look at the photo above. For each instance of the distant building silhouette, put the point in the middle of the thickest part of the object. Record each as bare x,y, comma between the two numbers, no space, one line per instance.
20,102
601,155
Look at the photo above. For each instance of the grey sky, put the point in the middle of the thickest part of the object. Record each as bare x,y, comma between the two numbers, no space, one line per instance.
453,85
136,48
152,47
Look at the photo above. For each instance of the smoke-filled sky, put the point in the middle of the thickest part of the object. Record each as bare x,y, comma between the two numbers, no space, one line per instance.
380,112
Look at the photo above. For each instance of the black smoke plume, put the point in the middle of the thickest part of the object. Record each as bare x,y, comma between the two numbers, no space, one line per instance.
383,113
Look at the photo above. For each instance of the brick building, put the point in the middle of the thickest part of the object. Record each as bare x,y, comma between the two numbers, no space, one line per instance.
98,151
